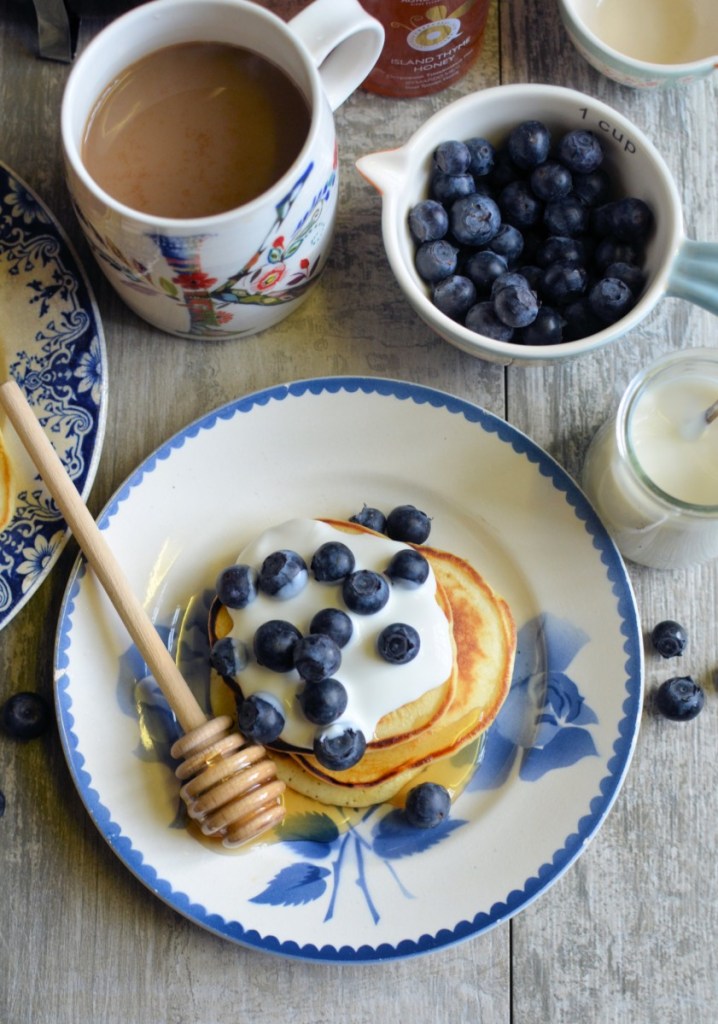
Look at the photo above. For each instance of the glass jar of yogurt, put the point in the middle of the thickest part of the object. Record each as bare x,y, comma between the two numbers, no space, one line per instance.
651,471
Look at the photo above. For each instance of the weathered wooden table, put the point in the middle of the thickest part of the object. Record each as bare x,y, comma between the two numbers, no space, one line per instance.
628,934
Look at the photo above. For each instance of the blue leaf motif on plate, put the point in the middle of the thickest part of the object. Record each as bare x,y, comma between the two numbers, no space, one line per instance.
545,720
394,837
295,885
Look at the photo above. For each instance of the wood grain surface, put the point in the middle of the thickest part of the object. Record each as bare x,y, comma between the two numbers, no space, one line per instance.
629,932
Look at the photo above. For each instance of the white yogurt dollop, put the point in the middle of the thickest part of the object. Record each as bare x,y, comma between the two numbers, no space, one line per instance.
374,686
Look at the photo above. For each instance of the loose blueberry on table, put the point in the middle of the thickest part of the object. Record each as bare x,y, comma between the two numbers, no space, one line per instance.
669,638
26,715
545,209
680,698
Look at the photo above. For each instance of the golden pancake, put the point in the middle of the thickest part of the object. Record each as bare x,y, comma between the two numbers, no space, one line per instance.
444,719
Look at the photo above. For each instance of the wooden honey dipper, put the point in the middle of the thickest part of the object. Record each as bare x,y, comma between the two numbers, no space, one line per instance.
230,786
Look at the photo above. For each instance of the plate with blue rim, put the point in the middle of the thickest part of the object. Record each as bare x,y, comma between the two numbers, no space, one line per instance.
52,344
554,759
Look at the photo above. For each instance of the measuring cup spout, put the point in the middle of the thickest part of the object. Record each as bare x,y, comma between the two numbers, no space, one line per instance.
384,170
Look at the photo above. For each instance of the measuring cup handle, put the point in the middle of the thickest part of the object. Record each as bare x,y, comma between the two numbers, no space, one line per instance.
694,274
344,41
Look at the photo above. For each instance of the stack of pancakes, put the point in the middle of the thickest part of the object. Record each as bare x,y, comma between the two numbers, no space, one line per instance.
438,724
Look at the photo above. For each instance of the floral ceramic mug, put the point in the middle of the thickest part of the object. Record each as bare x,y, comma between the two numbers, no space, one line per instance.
233,273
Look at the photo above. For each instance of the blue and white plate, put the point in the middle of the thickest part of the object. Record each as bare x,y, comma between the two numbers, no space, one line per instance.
555,758
52,343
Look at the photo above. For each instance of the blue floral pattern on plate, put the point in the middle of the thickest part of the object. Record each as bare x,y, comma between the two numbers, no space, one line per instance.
54,348
554,761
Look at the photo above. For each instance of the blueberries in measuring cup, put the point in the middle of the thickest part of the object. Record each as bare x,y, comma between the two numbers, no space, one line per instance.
560,211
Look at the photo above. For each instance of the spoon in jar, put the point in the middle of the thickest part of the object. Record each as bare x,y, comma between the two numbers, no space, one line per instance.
230,786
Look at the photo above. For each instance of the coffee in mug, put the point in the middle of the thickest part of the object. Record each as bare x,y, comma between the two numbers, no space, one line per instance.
216,262
195,129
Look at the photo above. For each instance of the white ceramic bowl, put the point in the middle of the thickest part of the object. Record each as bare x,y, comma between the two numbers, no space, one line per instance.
684,35
674,264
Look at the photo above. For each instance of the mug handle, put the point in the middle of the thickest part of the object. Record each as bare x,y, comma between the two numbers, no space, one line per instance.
694,274
344,42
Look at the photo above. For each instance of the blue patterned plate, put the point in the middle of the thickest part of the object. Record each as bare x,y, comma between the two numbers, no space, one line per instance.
554,759
52,344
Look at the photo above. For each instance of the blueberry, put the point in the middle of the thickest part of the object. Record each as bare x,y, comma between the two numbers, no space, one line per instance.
316,657
398,643
566,216
428,220
408,568
551,180
507,242
454,296
339,747
516,304
274,643
546,329
323,701
519,206
332,562
427,805
669,638
504,170
581,321
631,219
560,249
283,574
592,188
260,718
474,219
511,279
680,698
26,715
529,144
482,319
483,267
334,623
532,275
611,250
610,299
229,656
408,524
371,518
237,586
436,260
482,155
446,188
562,282
628,273
365,592
452,157
580,151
